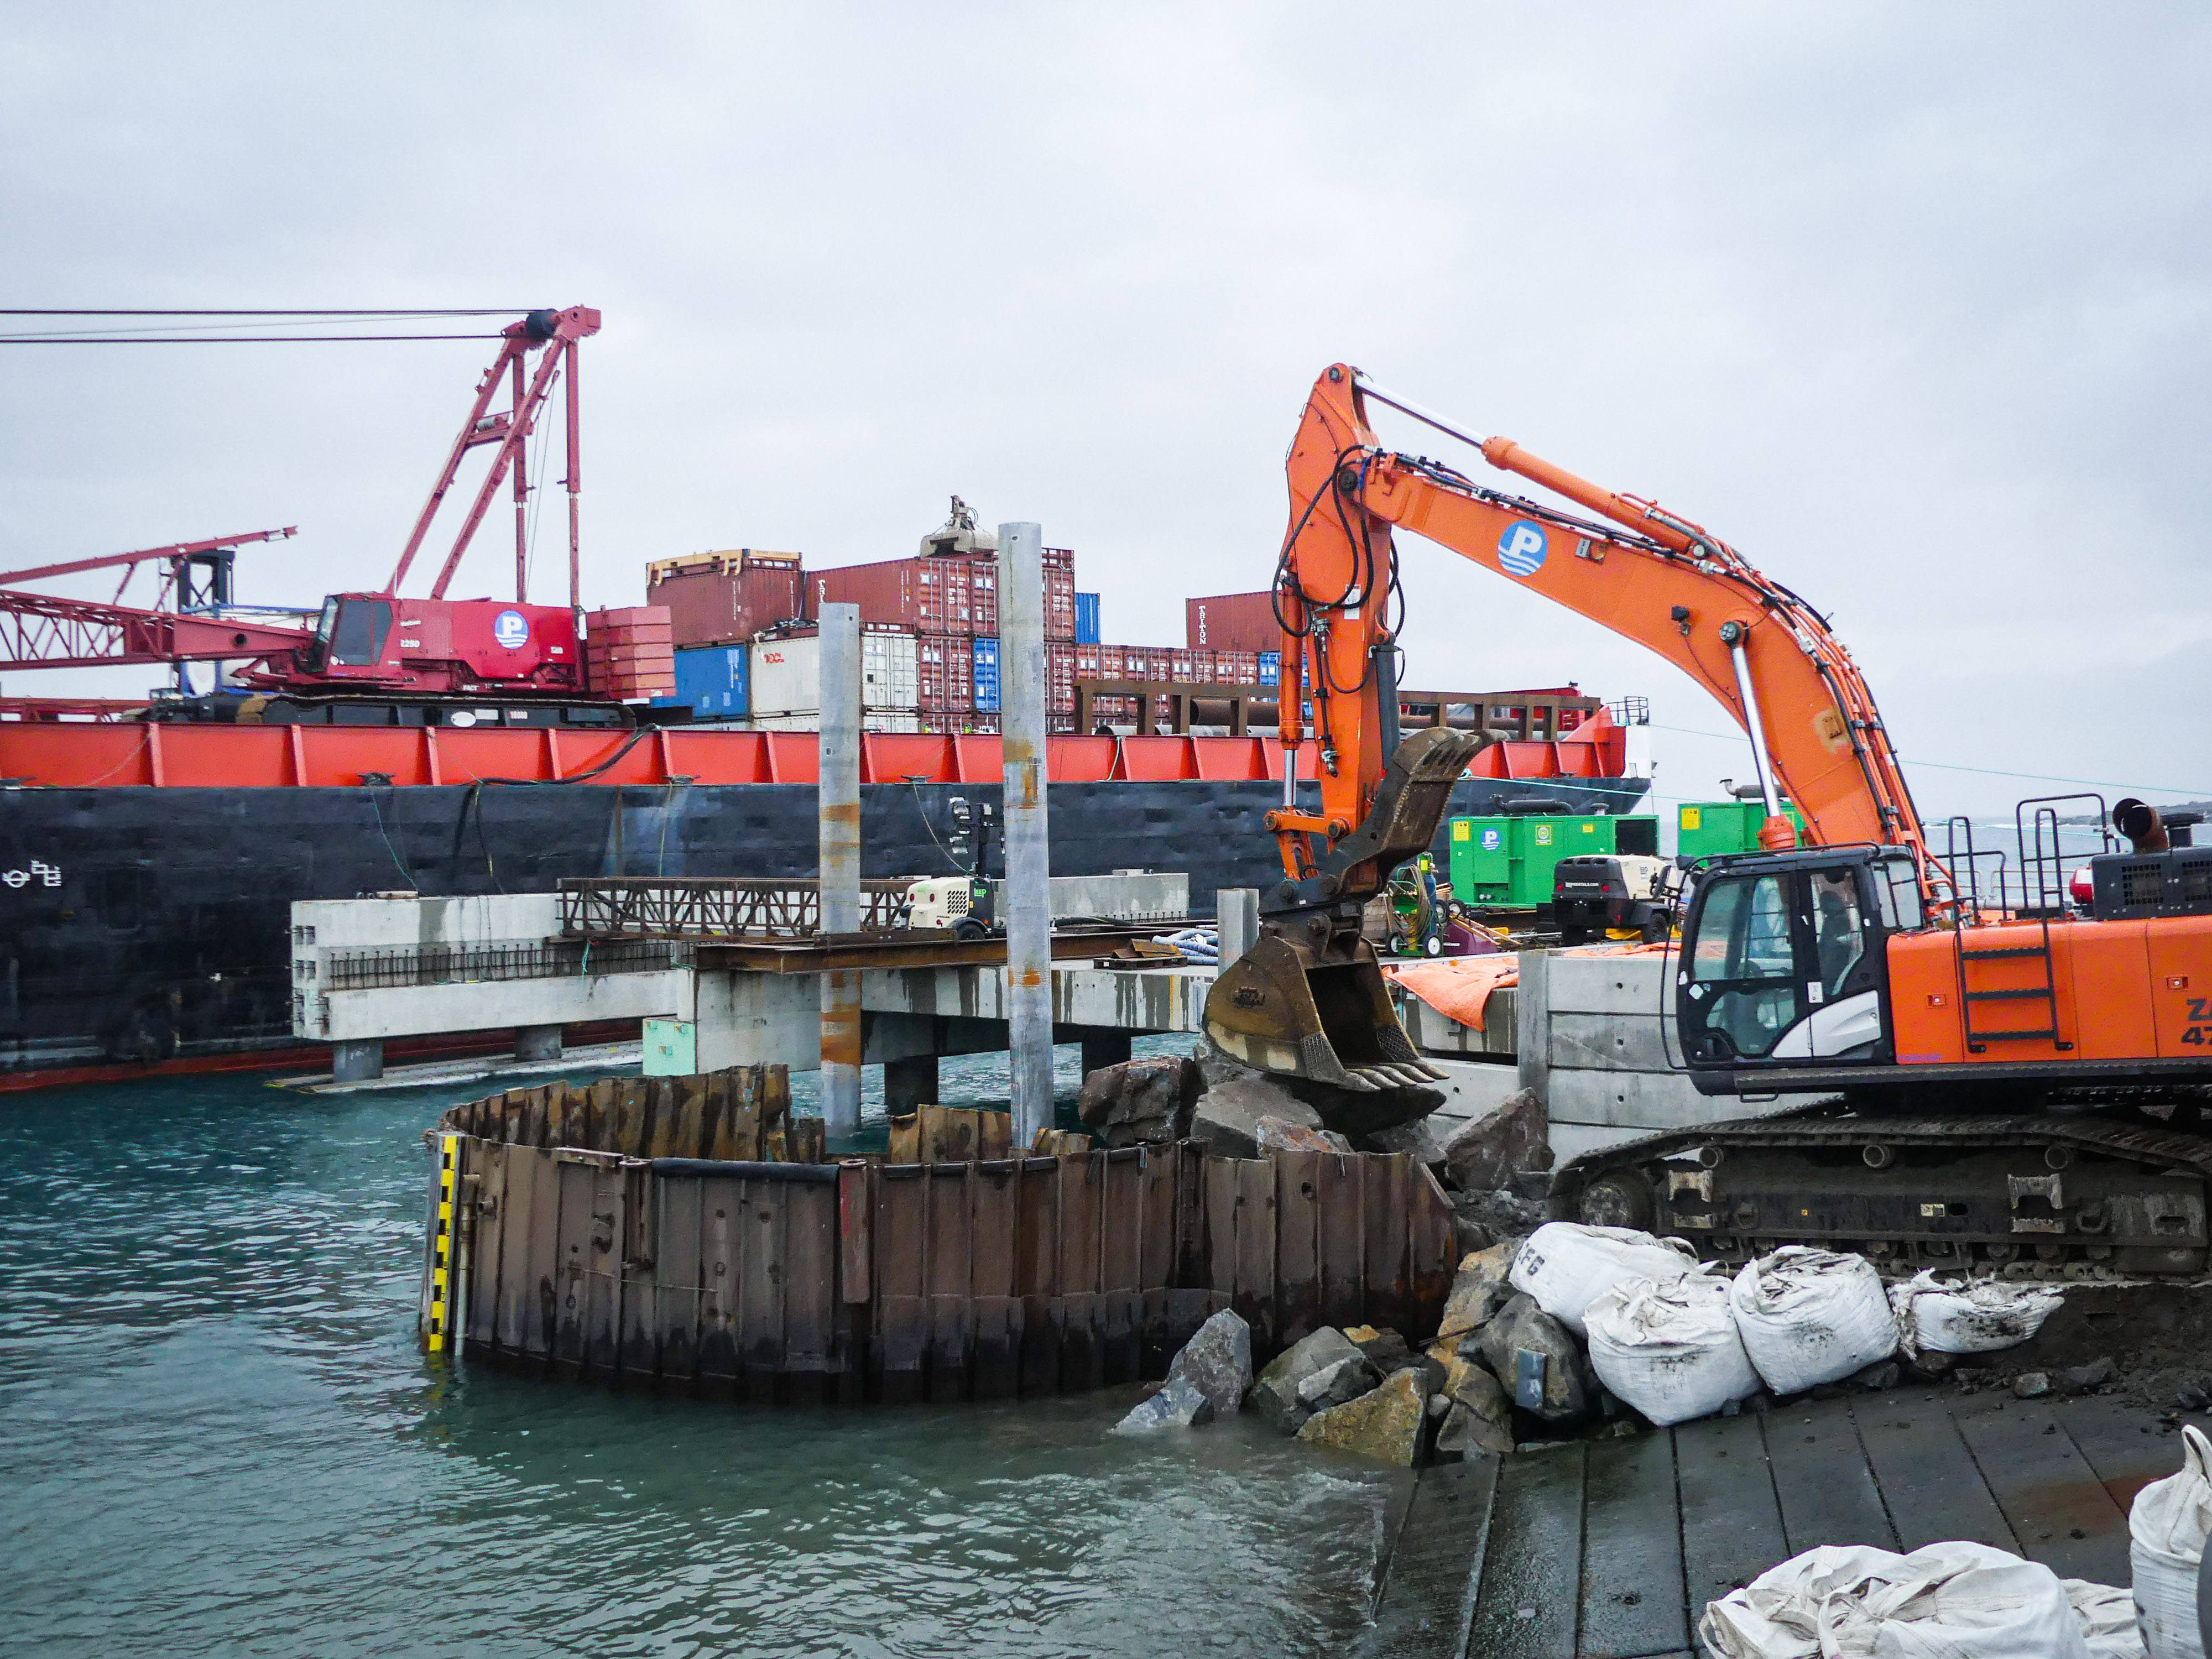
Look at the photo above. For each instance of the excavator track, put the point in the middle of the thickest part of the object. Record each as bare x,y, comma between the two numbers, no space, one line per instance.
2057,1197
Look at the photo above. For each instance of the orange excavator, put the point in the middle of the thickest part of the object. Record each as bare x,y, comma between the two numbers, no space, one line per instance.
2013,1082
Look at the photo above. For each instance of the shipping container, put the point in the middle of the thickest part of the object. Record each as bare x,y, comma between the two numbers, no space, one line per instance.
627,654
986,675
714,681
1271,668
984,593
1059,558
726,597
1060,676
946,671
1086,619
1112,662
785,673
1059,605
1236,668
930,596
1232,622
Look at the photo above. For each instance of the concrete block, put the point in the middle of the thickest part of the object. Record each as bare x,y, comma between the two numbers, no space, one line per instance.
1618,984
1438,1033
1644,1101
1471,1089
1615,1042
537,1042
495,1004
358,1061
754,1020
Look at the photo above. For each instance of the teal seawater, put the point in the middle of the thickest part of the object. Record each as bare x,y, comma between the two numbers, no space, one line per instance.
218,1436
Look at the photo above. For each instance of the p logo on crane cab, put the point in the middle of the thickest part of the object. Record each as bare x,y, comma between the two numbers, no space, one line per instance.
1522,548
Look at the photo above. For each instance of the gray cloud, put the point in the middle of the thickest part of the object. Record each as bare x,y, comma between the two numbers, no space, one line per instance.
1911,303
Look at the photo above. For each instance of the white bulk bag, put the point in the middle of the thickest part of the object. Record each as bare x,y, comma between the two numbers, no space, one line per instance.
1671,1349
1977,1317
1948,1600
1565,1265
1808,1316
2166,1542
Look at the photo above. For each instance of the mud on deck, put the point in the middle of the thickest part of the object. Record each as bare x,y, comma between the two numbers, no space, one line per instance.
1610,1549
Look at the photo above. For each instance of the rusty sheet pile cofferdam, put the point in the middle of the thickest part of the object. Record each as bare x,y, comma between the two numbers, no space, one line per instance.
668,1232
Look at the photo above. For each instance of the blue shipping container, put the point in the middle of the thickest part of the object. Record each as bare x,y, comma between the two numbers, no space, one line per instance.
986,675
714,679
1086,619
1271,668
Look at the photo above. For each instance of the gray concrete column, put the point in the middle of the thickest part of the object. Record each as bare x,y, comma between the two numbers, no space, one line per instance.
537,1042
1026,894
839,797
908,1083
359,1061
1237,917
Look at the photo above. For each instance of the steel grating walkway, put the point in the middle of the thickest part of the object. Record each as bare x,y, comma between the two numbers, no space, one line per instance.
1610,1549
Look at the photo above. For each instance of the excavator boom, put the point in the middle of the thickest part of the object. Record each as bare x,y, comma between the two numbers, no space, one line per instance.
1639,570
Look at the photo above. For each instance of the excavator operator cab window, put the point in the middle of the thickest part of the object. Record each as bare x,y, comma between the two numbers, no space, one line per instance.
1743,992
1787,965
354,637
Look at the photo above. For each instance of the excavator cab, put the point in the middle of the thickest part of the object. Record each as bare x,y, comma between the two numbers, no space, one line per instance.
1783,961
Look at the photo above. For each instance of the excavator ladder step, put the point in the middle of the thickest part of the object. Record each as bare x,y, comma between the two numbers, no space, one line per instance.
2042,991
2009,951
2019,1036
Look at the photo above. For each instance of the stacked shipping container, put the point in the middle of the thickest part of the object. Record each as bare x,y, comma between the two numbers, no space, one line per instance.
628,654
726,599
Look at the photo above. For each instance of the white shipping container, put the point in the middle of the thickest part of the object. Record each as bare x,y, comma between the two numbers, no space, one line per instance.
786,676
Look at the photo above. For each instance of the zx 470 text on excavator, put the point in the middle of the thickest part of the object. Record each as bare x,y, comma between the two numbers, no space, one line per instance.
2013,1082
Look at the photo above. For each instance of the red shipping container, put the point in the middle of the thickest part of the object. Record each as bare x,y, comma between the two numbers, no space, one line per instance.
722,599
1238,668
1059,558
984,595
944,668
1060,676
1232,622
1059,604
931,596
1086,662
1113,663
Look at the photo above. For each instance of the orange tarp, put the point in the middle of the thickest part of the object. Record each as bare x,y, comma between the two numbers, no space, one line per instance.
1456,987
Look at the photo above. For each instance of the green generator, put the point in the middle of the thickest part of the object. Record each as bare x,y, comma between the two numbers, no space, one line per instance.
1507,862
1706,828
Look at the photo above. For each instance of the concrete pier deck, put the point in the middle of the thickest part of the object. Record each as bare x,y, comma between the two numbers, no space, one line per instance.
1610,1549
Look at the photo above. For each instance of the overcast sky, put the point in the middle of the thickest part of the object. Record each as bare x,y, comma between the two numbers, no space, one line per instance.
1910,303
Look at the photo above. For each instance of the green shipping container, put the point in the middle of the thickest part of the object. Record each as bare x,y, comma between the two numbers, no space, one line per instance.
1508,860
1707,829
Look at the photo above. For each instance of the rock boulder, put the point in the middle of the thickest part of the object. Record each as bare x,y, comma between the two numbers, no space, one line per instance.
1485,1153
1520,1326
1228,1114
1217,1361
1140,1100
1275,1134
1180,1405
1389,1423
1275,1395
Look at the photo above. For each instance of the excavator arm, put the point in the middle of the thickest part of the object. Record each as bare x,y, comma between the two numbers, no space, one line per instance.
1308,1001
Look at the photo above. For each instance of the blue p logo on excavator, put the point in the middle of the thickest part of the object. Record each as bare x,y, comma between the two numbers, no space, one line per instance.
1522,549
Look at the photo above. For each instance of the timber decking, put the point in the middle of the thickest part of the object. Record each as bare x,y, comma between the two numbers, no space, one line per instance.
1610,1549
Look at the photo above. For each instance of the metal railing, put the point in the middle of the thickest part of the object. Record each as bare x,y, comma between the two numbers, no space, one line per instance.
719,907
434,964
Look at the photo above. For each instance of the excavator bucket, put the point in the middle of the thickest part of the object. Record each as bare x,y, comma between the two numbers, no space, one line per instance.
1277,1009
1308,1000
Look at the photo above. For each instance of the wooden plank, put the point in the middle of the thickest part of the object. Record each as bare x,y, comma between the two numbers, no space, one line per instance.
1527,1604
1341,1237
810,1141
2058,1507
688,1132
1434,1563
1820,1474
721,1218
1929,1480
1040,1338
1633,1599
1297,1245
761,1227
659,1135
899,1364
1081,1180
1121,1252
947,1272
905,1145
715,1139
638,1271
1731,1519
480,1206
994,1221
603,1259
1430,1237
856,1214
1191,1163
677,1271
599,1118
1251,1281
632,1119
2126,1445
1384,1219
530,1132
559,1113
1219,1180
1082,1353
1157,1256
1036,1234
996,1139
809,1288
